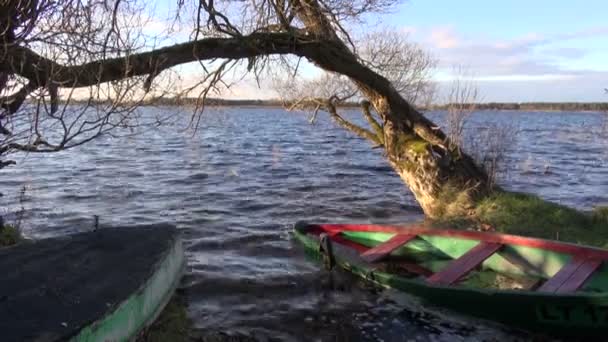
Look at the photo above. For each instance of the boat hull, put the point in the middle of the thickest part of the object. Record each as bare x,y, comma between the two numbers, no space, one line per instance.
105,285
547,313
140,309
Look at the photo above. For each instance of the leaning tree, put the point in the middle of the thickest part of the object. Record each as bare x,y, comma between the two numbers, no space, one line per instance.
98,53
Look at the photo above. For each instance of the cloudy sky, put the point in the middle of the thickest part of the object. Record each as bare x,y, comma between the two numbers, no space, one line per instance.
533,50
517,50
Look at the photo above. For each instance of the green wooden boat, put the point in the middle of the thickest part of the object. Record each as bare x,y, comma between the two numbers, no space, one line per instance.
526,283
105,285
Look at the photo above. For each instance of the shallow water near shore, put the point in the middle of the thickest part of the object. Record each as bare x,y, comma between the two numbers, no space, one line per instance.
236,186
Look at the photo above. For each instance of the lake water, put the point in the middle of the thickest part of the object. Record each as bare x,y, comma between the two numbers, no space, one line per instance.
236,186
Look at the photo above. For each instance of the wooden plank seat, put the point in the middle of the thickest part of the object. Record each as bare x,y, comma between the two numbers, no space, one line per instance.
384,249
571,276
458,268
362,249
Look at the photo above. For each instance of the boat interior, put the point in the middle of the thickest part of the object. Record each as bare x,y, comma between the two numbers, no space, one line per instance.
445,257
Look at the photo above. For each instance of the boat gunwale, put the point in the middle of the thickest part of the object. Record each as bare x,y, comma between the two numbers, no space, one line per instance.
507,239
479,290
94,329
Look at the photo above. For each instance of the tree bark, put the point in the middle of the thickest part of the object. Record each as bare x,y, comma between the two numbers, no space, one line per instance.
40,71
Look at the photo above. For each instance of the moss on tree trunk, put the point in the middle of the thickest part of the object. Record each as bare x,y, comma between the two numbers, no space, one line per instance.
440,182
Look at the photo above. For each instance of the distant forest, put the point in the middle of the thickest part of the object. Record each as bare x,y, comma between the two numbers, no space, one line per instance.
525,106
534,106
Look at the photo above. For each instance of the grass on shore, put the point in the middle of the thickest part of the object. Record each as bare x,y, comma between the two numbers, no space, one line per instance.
172,324
9,235
529,215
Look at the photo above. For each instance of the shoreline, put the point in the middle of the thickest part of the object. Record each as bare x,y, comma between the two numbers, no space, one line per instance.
572,107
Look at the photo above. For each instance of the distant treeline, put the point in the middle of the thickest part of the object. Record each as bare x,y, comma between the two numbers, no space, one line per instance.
172,101
530,106
533,106
525,106
189,101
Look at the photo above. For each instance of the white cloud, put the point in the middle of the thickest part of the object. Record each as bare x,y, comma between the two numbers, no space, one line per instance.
566,52
587,33
444,38
531,67
531,56
238,84
409,30
585,87
551,77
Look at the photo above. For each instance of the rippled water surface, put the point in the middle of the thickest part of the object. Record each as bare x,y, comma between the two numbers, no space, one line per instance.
237,185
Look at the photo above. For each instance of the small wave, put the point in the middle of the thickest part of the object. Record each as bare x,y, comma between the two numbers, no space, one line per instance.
249,205
198,176
78,196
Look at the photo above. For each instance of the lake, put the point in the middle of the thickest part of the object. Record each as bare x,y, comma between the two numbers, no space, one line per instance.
236,186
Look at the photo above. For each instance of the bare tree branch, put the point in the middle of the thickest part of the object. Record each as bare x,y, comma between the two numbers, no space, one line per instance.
378,129
360,131
462,101
41,71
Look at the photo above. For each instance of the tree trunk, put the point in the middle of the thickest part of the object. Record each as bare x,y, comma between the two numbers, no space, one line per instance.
445,181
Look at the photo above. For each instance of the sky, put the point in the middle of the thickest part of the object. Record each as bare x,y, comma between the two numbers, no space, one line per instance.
515,50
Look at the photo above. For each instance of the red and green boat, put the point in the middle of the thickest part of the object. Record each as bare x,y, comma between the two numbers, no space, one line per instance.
533,284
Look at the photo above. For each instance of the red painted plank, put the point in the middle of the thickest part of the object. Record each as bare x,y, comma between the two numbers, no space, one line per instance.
555,246
384,249
465,264
408,266
559,278
571,276
336,237
580,276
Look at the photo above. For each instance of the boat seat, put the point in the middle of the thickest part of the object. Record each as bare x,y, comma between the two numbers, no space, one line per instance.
571,276
465,264
384,249
405,265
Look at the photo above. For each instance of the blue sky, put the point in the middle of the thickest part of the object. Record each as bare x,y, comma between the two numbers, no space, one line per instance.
518,50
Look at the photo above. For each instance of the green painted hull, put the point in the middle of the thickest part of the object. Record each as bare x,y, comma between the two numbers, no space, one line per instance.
140,309
104,285
579,314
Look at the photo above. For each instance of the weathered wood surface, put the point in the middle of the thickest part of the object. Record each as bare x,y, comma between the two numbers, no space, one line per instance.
50,289
458,268
572,276
384,249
